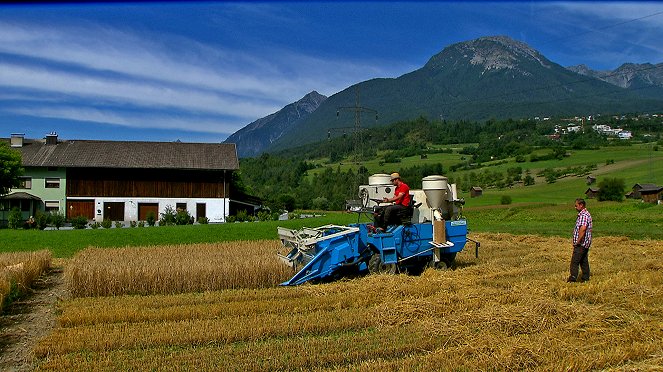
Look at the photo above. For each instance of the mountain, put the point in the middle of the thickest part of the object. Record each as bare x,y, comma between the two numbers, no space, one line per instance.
254,138
645,79
490,77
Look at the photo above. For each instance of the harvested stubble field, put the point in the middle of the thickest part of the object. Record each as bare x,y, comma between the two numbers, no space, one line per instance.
19,270
511,309
175,269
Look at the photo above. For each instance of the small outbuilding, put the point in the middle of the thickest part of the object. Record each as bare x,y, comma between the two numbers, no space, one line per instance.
651,195
476,191
591,179
648,188
592,192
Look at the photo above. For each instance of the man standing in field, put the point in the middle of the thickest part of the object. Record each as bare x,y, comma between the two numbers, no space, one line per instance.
582,240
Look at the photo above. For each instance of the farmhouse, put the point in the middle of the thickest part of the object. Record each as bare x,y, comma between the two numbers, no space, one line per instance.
122,180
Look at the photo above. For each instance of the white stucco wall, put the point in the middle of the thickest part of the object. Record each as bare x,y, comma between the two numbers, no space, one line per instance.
216,210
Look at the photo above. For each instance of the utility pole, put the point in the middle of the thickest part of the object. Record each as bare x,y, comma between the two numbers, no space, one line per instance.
357,135
358,140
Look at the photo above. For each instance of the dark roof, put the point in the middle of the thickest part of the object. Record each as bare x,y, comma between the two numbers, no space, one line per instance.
21,195
129,154
645,186
592,189
652,190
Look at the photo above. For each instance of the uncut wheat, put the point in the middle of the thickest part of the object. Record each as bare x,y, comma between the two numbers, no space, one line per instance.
19,270
175,268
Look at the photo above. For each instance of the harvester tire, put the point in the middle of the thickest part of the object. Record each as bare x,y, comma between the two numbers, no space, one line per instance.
442,265
376,266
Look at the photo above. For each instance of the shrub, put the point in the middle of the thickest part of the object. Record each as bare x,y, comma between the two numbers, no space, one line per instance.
57,219
321,203
203,220
529,180
182,217
168,217
505,200
118,224
151,219
79,222
264,215
106,224
132,223
41,220
15,220
141,223
243,215
611,189
95,225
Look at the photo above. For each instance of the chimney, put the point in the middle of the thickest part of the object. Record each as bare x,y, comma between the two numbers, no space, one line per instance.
17,139
52,138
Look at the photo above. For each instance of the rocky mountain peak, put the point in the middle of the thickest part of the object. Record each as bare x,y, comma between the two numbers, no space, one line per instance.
490,53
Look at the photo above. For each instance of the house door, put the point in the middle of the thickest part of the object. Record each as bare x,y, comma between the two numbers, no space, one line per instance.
114,211
145,208
83,208
201,210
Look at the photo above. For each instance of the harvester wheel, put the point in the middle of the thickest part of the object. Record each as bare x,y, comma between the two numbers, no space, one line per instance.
442,265
376,266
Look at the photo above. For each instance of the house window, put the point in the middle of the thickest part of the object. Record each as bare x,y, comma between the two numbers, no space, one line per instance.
51,206
25,182
52,169
180,206
52,183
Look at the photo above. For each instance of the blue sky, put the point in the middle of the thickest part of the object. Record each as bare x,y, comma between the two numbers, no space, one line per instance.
198,72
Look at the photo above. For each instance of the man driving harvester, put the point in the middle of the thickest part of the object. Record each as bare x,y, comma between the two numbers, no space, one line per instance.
385,216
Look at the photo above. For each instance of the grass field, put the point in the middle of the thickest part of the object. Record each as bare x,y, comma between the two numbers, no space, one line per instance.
510,309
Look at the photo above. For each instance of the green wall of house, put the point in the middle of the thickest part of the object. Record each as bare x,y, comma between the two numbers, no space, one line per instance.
40,178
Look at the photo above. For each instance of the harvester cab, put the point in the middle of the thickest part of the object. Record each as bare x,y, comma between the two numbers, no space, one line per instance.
430,235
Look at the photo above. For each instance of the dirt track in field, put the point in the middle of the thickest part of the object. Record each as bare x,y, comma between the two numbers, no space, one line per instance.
26,321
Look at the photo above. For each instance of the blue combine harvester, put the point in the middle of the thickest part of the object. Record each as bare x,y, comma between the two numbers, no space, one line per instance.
430,234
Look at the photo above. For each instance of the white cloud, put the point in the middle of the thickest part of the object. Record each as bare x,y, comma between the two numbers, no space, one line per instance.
185,62
135,120
135,93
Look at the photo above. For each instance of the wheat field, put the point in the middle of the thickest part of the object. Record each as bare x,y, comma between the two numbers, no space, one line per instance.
175,268
509,309
19,270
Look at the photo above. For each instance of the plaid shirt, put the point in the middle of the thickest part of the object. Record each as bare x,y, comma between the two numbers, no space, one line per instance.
584,219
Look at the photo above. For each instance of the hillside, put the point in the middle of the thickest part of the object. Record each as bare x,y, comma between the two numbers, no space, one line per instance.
254,138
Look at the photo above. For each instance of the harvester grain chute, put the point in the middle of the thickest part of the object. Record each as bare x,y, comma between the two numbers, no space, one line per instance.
429,234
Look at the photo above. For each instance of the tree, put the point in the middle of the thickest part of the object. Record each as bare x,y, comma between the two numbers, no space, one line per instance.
10,168
612,189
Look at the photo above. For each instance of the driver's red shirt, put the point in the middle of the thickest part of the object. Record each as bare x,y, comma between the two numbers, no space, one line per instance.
406,198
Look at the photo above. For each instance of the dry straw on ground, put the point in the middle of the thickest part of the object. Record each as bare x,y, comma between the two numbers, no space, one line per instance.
509,310
175,269
18,271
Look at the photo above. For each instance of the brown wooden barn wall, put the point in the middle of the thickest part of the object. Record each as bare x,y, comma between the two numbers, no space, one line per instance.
146,183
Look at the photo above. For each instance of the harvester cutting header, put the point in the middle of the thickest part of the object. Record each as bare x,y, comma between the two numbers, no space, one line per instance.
428,233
